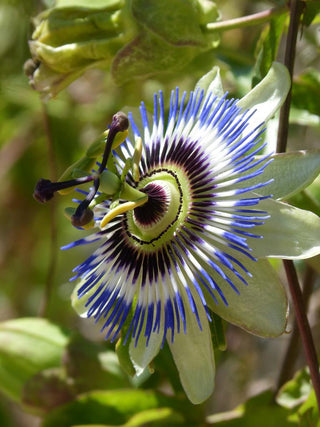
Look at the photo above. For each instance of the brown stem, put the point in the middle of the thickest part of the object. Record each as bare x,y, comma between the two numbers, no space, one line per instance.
304,327
296,10
293,349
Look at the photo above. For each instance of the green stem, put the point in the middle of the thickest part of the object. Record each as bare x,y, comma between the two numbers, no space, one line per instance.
296,10
246,21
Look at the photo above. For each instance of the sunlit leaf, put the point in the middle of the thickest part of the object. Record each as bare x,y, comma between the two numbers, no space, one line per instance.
312,9
306,91
27,346
258,411
296,391
111,407
267,47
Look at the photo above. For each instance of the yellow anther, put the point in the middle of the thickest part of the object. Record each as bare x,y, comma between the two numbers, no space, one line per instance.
136,159
120,209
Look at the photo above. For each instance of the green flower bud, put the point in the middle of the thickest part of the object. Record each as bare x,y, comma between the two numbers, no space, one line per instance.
132,38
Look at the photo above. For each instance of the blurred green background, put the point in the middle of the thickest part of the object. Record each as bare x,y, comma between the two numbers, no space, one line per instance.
41,139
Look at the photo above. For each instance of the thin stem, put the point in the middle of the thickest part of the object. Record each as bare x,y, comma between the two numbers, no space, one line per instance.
296,9
245,21
304,327
53,220
292,352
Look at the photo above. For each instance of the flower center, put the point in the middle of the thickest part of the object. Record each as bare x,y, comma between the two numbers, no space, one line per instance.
152,211
157,220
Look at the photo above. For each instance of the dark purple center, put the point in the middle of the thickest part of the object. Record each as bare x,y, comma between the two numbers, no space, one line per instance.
156,206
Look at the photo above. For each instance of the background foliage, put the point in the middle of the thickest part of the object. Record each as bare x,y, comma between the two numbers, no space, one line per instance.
55,370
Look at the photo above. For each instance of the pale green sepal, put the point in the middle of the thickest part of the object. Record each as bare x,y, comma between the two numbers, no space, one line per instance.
261,307
291,173
122,351
289,233
142,354
268,96
193,355
77,303
211,82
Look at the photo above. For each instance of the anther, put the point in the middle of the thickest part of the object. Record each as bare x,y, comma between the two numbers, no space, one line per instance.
45,188
43,191
82,218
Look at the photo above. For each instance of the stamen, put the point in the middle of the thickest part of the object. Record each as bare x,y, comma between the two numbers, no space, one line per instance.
120,209
45,189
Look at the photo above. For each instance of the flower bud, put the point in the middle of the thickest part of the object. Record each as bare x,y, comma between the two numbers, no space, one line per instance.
133,39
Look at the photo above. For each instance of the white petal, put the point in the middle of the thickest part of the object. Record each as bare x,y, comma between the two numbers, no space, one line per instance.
142,355
289,233
211,82
193,356
268,96
261,307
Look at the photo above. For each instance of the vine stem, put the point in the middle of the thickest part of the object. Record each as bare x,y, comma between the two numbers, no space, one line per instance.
296,10
292,351
245,21
304,327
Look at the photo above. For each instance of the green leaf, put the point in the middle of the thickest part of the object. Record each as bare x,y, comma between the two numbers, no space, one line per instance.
46,390
267,47
295,391
147,55
89,3
308,413
304,118
114,407
312,9
176,21
27,346
259,411
91,366
306,92
291,173
158,417
305,200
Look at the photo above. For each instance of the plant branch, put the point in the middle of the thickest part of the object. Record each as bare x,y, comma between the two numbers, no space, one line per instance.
304,327
296,10
245,21
292,352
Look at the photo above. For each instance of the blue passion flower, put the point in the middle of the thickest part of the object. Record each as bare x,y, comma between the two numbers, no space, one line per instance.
187,229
